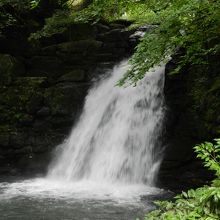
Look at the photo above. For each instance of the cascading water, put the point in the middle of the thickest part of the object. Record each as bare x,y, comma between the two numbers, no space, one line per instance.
117,136
104,169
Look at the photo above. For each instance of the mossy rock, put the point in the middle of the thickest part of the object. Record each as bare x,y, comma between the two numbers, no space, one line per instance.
24,96
114,35
73,76
9,68
44,66
80,32
82,47
66,98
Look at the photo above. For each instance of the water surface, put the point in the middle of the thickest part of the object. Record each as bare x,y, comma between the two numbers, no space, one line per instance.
43,199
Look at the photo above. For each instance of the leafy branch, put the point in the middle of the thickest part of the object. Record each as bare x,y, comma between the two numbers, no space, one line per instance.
202,203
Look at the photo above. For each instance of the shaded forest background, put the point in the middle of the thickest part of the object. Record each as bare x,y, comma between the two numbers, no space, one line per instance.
50,50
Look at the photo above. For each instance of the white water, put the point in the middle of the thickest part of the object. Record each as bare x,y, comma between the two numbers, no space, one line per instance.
116,139
108,163
55,200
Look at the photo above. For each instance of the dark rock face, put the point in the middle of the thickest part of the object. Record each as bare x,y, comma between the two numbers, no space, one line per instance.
193,111
9,68
42,91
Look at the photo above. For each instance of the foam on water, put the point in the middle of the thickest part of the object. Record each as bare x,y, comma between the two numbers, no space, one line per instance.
44,188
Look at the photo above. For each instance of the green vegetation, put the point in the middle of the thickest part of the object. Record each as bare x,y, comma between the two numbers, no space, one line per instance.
15,13
190,25
202,203
95,11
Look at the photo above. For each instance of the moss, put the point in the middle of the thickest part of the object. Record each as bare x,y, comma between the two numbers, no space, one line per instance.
15,98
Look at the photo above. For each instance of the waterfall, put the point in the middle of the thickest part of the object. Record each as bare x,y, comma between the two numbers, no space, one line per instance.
117,137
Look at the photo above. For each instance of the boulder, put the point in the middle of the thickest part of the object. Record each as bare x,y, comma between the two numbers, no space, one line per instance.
44,66
83,47
114,35
9,68
65,98
35,103
73,76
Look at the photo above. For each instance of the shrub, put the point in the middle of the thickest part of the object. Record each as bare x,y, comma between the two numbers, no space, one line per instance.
202,203
190,25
